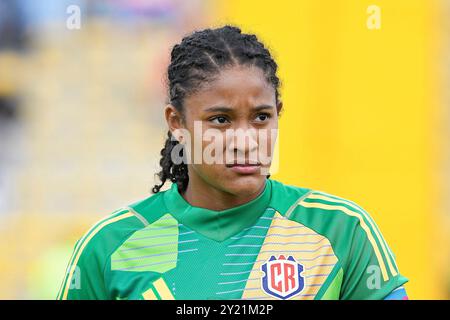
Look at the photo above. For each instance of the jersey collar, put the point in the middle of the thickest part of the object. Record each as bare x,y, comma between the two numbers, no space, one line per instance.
217,225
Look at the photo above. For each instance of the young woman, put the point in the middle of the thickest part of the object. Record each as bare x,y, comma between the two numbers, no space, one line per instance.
224,229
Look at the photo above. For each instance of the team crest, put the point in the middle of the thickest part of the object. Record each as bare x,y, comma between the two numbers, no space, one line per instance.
283,277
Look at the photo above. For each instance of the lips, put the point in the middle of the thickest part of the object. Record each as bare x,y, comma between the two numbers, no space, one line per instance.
244,168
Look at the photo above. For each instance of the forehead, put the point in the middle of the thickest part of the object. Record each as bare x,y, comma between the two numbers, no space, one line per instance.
236,86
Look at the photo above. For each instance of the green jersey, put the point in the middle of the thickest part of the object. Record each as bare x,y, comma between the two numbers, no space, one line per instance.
288,243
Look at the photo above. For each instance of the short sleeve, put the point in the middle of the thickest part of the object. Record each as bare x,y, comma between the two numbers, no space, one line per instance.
370,271
84,277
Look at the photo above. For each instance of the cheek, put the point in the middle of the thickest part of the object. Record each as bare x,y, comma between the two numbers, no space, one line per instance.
212,174
193,140
267,137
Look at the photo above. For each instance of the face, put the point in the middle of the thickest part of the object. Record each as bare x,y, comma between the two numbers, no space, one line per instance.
231,125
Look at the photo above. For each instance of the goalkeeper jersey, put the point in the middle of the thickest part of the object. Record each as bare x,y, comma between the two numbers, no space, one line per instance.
288,243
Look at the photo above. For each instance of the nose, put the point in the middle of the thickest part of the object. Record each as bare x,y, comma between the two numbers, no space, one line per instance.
242,143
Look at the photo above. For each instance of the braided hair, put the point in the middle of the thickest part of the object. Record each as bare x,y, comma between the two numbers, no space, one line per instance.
200,57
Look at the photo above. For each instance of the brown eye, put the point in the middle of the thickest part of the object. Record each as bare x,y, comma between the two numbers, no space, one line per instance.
262,117
219,120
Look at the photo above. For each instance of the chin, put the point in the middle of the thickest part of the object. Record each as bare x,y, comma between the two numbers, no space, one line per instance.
244,185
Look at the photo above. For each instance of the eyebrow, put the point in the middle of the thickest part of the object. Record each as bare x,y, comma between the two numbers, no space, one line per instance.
228,109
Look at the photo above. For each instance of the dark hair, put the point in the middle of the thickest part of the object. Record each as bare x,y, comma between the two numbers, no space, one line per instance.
199,57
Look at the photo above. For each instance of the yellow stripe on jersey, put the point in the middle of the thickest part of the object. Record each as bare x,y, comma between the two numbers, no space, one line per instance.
83,244
371,223
163,290
149,295
81,241
363,225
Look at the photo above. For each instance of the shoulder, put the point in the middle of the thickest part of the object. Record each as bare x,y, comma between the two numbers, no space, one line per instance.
340,220
108,233
316,206
322,206
105,234
92,252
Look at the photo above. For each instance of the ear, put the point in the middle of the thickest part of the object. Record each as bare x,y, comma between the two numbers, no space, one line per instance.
173,119
279,107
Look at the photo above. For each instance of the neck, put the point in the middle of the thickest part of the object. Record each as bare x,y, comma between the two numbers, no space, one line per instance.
201,194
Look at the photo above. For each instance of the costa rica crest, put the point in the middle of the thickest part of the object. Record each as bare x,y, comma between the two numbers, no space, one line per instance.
283,277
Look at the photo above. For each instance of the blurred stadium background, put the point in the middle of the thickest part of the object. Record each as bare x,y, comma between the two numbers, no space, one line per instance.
366,117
